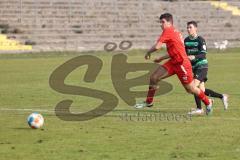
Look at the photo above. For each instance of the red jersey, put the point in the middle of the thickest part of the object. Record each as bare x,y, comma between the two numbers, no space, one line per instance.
175,45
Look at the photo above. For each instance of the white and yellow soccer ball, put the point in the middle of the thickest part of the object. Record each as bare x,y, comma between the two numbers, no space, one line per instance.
35,120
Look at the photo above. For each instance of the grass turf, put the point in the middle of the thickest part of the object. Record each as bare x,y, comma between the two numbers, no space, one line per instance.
24,88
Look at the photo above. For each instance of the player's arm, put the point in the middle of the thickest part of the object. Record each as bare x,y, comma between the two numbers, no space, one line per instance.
201,55
164,37
202,50
154,48
161,58
192,57
202,46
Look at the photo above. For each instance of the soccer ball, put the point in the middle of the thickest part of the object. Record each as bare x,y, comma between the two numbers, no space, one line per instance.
35,120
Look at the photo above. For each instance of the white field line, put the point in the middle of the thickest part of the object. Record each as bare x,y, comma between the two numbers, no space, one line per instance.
26,110
123,111
117,110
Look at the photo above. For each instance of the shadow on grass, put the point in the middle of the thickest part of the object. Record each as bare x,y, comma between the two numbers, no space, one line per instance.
22,128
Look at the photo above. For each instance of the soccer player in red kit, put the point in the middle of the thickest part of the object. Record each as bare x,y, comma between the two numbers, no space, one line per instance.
178,64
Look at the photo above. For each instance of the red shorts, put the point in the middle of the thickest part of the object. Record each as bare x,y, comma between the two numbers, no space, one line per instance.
183,71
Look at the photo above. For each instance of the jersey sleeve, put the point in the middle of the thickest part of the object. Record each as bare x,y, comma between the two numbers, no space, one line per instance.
164,37
202,46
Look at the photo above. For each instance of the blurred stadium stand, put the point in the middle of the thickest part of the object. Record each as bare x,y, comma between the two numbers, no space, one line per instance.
47,25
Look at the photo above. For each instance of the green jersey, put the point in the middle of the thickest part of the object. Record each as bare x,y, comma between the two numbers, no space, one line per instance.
197,47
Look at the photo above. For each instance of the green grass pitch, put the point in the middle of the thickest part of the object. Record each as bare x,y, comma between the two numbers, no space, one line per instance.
24,88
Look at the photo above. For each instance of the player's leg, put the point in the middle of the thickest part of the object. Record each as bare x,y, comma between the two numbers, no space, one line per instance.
223,97
160,73
156,76
202,86
197,100
201,75
199,110
185,75
191,88
212,93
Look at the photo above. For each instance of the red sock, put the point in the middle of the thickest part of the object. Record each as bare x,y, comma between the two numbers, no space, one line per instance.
203,97
150,95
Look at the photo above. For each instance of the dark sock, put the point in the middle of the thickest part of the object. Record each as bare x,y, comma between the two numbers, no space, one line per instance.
211,93
198,102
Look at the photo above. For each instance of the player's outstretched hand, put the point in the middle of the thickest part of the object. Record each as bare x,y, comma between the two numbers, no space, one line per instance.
147,56
158,60
191,57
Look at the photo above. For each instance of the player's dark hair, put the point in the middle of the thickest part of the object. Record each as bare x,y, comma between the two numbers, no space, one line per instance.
167,16
194,23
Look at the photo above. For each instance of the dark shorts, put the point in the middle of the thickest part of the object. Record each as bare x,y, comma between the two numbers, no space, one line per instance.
200,74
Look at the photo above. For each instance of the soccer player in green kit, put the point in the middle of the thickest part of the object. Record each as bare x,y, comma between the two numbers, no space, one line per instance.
196,50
